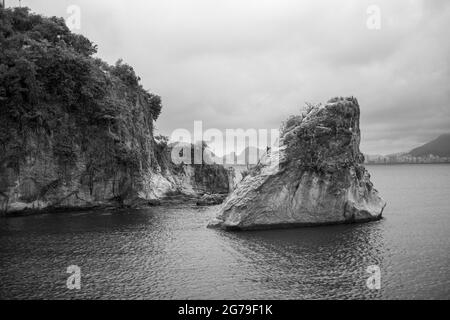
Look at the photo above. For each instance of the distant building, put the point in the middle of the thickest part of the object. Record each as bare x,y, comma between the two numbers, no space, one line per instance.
405,158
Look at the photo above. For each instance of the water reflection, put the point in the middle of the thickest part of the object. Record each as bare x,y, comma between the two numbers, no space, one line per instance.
311,262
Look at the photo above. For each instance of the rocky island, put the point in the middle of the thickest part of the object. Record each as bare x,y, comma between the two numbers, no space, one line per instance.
76,132
315,177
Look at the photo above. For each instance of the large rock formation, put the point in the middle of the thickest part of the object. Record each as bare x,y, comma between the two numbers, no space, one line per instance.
315,176
76,132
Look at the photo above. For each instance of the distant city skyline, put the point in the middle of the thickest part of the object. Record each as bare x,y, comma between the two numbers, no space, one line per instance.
405,158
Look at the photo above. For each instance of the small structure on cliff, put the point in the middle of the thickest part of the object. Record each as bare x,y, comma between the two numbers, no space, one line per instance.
318,177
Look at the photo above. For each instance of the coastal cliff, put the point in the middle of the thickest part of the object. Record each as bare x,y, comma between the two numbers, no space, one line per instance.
315,177
76,132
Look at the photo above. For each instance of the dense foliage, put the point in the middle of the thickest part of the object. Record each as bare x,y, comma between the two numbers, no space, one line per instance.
325,138
51,86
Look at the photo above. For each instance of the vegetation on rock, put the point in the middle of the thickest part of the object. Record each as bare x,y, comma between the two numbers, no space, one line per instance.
76,131
52,86
325,139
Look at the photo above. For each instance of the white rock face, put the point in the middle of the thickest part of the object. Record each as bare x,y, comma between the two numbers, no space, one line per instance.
315,177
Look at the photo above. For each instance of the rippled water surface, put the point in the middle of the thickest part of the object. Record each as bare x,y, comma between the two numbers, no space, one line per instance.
166,253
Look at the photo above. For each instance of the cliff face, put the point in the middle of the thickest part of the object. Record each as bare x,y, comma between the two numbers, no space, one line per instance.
76,132
40,181
315,177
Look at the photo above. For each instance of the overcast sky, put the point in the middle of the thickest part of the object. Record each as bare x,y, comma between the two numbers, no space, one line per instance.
252,63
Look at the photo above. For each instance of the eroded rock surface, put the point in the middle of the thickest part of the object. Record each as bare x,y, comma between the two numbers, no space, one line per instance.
43,184
315,177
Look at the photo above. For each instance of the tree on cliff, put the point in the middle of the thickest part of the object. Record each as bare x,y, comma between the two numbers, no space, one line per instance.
52,86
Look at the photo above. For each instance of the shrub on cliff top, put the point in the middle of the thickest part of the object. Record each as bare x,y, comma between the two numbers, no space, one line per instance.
323,138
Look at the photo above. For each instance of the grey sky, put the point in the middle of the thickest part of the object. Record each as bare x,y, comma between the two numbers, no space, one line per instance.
250,64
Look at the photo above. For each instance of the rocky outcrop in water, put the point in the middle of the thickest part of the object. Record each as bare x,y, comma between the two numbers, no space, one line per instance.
76,132
315,177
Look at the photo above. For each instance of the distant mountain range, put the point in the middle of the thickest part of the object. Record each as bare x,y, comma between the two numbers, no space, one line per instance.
438,147
435,151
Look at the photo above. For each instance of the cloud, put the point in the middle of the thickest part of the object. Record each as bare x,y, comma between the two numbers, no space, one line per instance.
252,63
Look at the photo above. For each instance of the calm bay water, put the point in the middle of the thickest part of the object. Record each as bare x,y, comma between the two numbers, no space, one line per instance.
168,253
